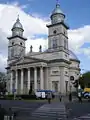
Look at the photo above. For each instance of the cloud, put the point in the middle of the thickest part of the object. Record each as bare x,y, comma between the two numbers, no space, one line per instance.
36,43
17,4
35,25
3,62
78,37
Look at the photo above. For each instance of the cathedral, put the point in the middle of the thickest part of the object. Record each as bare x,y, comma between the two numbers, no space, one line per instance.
53,69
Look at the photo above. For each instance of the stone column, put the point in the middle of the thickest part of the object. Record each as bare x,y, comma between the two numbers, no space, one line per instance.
16,80
47,78
41,78
22,79
28,79
35,79
11,82
62,80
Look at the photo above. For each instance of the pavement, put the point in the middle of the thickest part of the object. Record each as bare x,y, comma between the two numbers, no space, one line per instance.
77,110
26,110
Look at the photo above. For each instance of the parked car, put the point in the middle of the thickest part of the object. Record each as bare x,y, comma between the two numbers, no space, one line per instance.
86,94
43,94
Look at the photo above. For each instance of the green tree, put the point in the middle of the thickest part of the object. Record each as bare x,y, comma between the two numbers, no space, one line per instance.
85,79
3,78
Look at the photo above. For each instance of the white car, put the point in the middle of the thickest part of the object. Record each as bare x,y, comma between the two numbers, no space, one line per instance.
40,94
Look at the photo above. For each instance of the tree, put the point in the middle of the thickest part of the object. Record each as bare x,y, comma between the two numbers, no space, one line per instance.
83,80
3,78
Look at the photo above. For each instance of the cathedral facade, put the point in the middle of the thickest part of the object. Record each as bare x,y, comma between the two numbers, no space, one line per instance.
54,69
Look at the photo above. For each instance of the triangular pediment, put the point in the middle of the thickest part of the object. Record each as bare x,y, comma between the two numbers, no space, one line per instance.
26,59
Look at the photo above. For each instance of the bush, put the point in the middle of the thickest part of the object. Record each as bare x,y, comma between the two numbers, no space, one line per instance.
20,97
26,97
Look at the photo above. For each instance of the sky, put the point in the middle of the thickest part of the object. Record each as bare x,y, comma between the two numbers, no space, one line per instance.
35,14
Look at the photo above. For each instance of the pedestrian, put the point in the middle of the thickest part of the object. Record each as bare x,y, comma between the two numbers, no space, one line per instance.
60,97
2,113
15,115
70,97
49,97
80,97
10,114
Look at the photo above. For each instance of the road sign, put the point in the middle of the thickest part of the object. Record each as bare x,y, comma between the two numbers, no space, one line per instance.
14,90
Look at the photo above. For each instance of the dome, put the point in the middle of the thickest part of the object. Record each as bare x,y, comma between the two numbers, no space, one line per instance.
17,24
72,56
57,10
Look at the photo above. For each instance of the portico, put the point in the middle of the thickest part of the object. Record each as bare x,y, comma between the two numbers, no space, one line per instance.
22,79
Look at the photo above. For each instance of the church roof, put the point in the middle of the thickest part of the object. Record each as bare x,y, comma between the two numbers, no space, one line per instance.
57,10
17,24
51,55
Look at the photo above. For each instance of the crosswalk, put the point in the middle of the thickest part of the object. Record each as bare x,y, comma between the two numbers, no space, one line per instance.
50,112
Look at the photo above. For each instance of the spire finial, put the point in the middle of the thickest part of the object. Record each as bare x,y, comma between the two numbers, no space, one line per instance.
57,1
31,48
18,18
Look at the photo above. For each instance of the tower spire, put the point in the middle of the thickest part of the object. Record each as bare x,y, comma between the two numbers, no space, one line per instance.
57,2
18,18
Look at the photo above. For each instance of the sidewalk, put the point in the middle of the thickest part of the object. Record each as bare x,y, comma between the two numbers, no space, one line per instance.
65,99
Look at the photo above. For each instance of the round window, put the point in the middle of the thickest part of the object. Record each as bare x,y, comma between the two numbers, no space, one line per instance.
71,78
54,31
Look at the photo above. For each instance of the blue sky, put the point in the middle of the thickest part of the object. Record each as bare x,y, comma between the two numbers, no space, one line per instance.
77,11
77,16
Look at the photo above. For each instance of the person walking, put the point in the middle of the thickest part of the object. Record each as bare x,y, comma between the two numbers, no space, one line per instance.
2,113
10,114
80,97
70,97
60,97
49,97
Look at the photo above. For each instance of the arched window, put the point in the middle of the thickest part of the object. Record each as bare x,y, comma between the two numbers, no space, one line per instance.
65,44
12,43
54,43
20,43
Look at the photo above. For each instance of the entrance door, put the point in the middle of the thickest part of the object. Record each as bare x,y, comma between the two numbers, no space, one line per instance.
66,83
55,85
